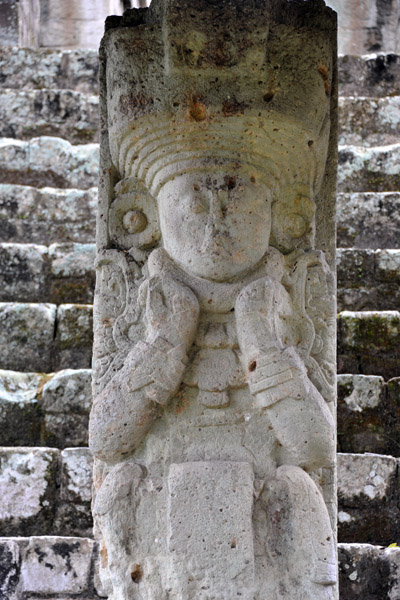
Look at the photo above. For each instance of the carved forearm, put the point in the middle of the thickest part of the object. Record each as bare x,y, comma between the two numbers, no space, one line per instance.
124,411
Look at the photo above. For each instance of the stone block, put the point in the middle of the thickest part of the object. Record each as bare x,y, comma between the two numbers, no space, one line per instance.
9,22
369,572
23,272
29,214
20,414
70,115
375,169
368,419
368,493
368,220
56,565
49,69
26,336
369,121
73,511
72,275
375,75
32,163
74,336
10,564
369,343
65,402
27,489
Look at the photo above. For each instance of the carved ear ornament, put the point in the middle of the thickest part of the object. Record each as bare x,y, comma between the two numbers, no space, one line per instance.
293,219
133,216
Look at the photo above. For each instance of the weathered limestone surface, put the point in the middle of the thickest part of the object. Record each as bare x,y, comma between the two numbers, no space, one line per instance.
28,489
369,572
33,163
214,313
369,121
373,169
368,279
74,336
25,114
375,75
369,220
54,215
368,490
49,69
368,414
26,335
369,342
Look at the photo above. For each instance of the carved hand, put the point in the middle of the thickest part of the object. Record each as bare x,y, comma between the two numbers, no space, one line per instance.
274,372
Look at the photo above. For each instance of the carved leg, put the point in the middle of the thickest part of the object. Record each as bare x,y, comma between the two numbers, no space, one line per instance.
114,513
299,538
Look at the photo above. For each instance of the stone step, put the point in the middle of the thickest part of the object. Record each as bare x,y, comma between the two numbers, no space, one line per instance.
48,161
45,410
53,410
369,343
70,115
43,567
45,491
29,214
25,68
71,564
370,75
368,279
369,121
368,414
62,273
59,273
368,220
375,169
369,572
48,491
369,497
44,337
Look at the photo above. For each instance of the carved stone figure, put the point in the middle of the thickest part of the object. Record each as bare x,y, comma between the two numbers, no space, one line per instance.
212,423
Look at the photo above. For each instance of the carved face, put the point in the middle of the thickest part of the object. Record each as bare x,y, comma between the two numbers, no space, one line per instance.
215,226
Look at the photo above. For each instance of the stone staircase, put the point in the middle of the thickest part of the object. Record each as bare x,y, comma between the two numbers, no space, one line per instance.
48,165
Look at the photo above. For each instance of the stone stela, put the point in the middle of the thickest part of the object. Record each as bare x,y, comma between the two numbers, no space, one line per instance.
213,425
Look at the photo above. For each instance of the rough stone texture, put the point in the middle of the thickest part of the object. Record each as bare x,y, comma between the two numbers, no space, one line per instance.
59,274
10,562
49,69
369,572
368,491
375,75
369,121
368,220
369,343
368,279
368,414
9,22
65,402
25,114
33,163
375,169
367,25
28,214
214,313
73,510
26,336
21,417
28,490
23,272
72,275
53,565
74,336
